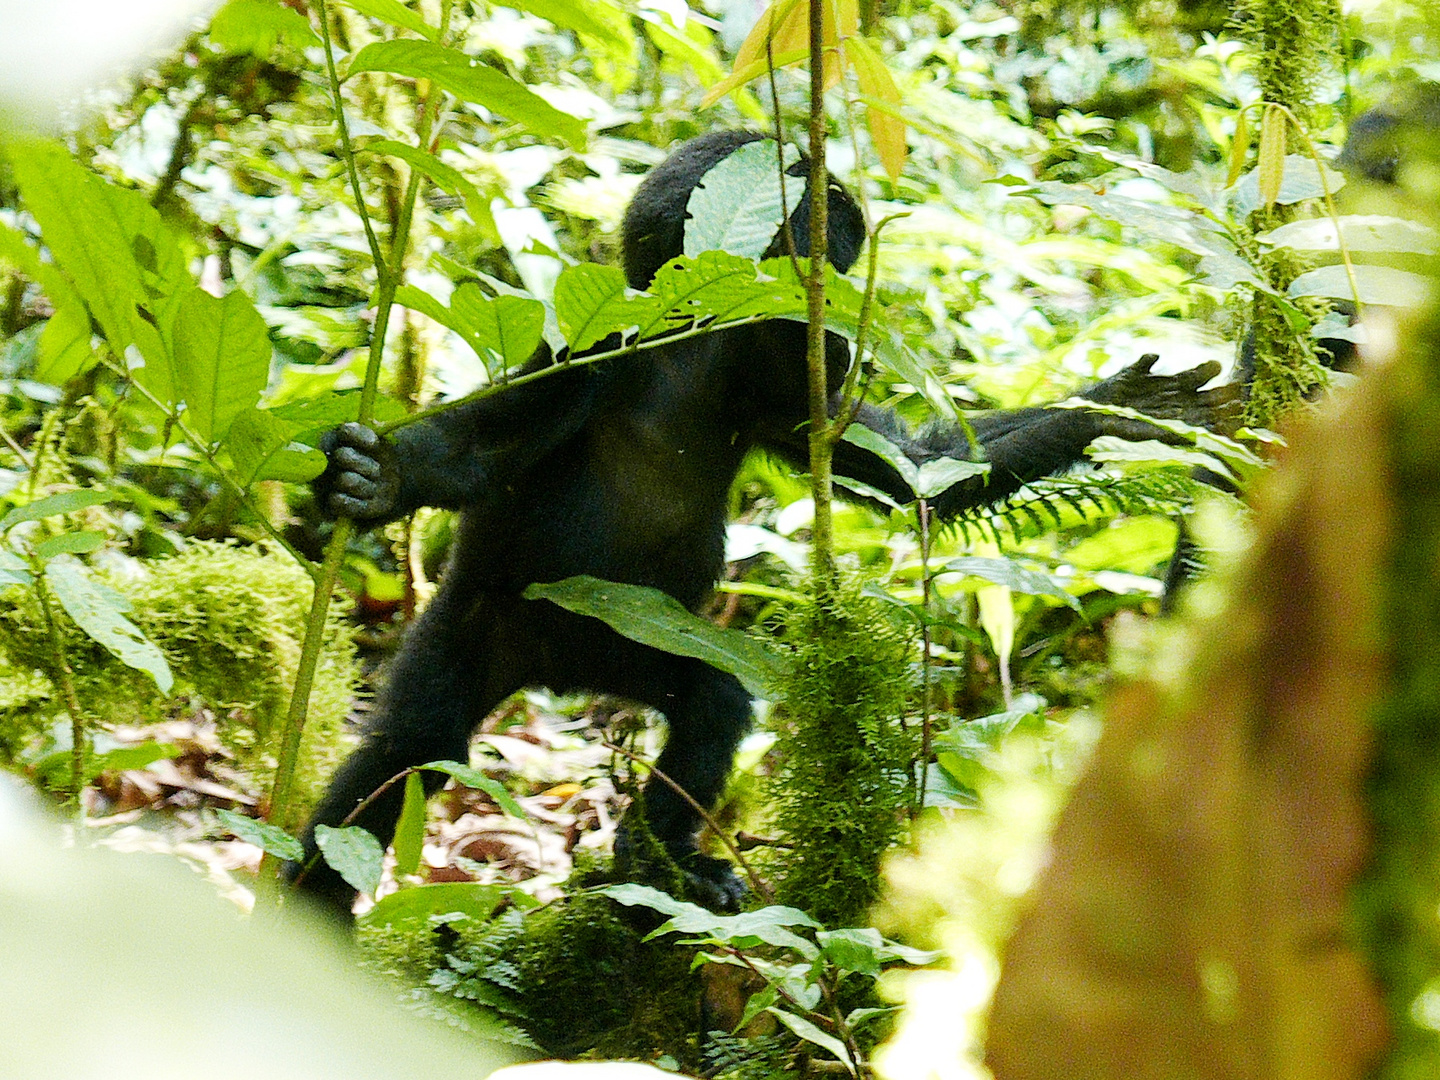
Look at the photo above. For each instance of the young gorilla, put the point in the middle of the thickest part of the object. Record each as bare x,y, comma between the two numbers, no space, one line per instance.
622,470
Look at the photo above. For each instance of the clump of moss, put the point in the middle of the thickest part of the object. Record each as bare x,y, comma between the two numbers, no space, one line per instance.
575,975
229,620
846,760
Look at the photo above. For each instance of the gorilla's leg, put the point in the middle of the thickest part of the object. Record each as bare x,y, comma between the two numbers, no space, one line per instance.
439,688
707,713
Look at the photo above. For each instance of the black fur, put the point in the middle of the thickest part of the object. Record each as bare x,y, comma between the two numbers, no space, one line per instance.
622,470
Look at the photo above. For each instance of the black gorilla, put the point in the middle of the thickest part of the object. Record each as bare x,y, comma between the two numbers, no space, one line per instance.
622,470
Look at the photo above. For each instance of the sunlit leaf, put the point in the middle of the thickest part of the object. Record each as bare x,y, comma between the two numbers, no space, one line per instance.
887,130
445,176
396,14
1375,284
70,543
258,26
94,613
66,502
270,839
593,302
737,205
470,80
222,360
416,904
1239,147
354,854
410,830
469,776
657,619
1360,232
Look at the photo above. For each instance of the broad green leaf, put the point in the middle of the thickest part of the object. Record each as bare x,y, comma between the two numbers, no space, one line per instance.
410,830
939,476
657,619
1376,285
768,924
70,543
504,331
853,949
720,286
1004,571
469,80
1159,221
260,445
416,904
1239,147
592,302
95,614
1361,232
257,26
474,778
882,104
65,342
66,502
602,21
812,1034
270,839
396,14
1300,181
448,178
65,349
353,854
868,439
737,207
222,360
131,757
632,895
113,247
1114,449
759,1002
13,570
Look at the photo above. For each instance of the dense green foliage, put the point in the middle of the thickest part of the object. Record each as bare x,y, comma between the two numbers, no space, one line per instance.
190,293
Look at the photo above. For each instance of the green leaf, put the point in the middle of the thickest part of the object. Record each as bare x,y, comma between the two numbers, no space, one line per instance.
1376,285
504,330
474,778
1361,232
657,619
67,502
132,757
1300,181
632,895
396,14
448,178
926,481
737,205
759,1002
72,543
95,614
270,839
415,905
591,303
472,81
770,925
410,830
1007,572
853,949
257,26
812,1034
115,250
720,286
260,445
222,360
13,570
65,349
1114,449
353,854
604,22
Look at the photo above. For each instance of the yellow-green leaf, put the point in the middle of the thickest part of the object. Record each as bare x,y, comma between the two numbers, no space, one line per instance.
1270,169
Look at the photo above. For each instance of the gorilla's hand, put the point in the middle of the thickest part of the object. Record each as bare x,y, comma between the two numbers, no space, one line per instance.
362,478
1165,397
